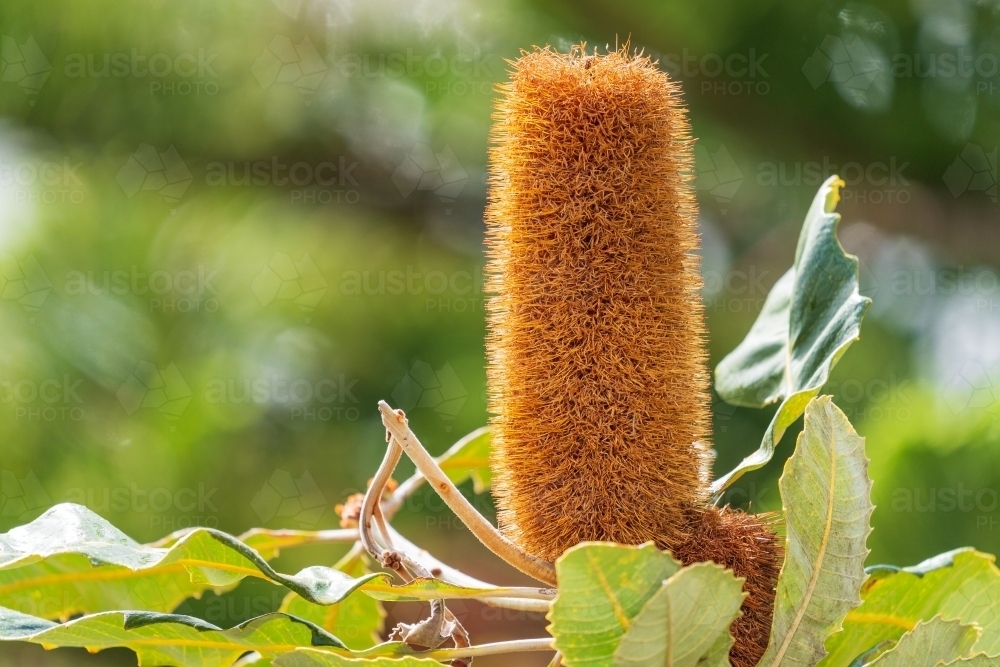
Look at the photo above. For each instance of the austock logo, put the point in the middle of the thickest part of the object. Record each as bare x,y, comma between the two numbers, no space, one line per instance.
736,291
730,74
320,183
856,67
722,412
847,61
284,497
974,170
974,388
163,390
24,282
284,62
423,387
874,182
876,399
43,181
326,399
864,72
185,290
167,509
51,399
284,279
231,609
19,498
146,169
948,499
440,173
718,174
173,74
23,64
915,287
461,73
455,292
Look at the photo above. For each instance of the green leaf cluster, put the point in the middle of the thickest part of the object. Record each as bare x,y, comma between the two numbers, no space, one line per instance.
66,577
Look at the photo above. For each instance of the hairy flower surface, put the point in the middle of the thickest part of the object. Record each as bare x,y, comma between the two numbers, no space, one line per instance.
598,379
597,367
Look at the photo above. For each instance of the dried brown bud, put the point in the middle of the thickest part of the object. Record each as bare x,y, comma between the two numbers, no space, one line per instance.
391,560
350,510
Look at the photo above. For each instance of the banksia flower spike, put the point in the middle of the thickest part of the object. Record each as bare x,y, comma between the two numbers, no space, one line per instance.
597,372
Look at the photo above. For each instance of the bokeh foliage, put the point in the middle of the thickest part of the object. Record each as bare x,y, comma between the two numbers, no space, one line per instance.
401,95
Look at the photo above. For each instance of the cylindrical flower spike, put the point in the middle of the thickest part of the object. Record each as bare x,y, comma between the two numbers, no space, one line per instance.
597,366
597,373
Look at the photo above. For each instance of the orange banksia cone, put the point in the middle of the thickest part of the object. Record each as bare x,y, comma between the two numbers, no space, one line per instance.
598,375
597,369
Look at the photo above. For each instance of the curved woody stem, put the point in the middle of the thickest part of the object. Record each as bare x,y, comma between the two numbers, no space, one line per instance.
395,422
442,623
515,646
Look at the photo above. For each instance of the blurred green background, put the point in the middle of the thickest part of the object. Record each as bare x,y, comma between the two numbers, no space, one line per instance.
227,229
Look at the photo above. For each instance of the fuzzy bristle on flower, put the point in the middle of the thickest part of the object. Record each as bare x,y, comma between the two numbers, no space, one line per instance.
597,371
747,545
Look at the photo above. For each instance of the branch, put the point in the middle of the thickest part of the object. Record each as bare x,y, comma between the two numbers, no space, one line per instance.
387,592
395,501
447,573
535,601
515,598
442,623
516,646
371,501
395,423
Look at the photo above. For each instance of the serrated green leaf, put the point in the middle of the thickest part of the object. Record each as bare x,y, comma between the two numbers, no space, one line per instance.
162,639
826,496
962,584
49,568
357,621
254,659
171,640
71,561
980,660
718,654
811,316
270,543
602,587
311,658
684,620
871,654
928,644
470,458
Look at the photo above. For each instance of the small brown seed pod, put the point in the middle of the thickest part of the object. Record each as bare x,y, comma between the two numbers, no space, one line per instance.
598,378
